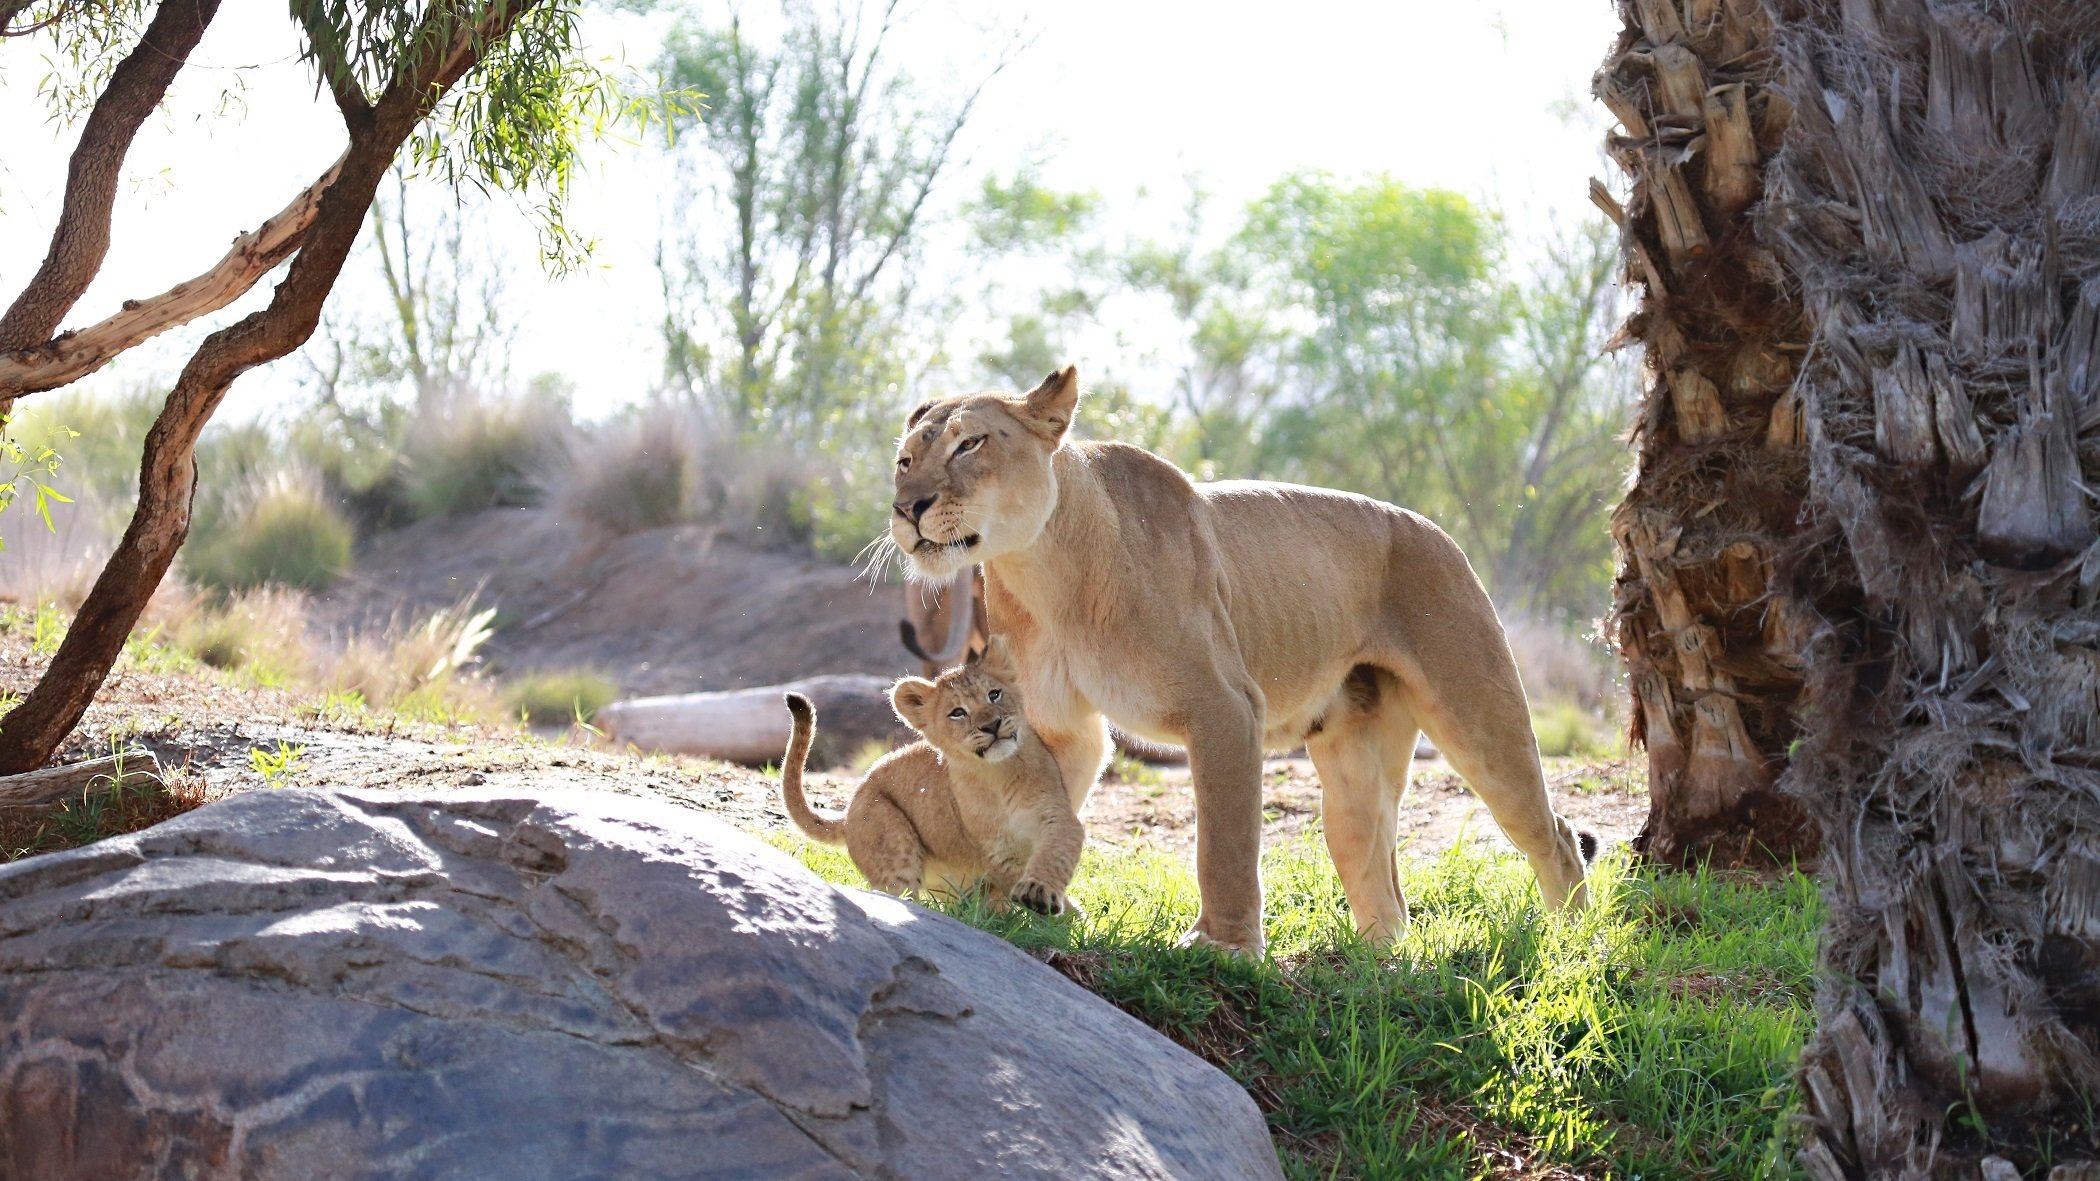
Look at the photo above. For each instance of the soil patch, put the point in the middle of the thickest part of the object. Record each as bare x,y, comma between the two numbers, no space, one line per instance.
675,610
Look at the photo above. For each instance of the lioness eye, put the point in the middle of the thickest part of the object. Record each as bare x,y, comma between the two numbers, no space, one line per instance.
958,712
904,463
993,695
970,444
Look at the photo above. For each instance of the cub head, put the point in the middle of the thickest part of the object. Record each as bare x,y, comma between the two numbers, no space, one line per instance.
973,475
972,712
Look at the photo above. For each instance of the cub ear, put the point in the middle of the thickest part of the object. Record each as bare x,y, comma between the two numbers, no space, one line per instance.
918,412
912,698
1048,409
998,660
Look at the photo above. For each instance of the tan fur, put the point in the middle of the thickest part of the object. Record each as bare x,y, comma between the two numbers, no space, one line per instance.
979,800
1229,617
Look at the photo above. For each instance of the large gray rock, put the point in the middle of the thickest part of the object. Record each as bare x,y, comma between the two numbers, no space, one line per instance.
305,984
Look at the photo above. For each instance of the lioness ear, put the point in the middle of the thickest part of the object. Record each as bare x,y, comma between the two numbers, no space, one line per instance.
912,698
918,412
1050,406
998,660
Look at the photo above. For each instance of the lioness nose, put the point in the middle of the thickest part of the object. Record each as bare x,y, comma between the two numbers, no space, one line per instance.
912,510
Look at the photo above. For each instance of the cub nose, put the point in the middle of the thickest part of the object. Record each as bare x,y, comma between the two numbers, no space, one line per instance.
991,727
912,510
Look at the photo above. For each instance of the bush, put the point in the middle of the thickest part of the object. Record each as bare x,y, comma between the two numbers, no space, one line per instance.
261,632
289,535
421,673
486,454
639,472
1564,728
559,697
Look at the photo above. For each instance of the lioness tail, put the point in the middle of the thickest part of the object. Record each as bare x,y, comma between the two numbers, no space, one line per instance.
814,825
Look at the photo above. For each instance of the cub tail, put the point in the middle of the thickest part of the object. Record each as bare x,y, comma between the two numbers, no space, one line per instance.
816,826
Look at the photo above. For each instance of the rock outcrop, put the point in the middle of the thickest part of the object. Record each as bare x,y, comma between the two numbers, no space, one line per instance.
306,984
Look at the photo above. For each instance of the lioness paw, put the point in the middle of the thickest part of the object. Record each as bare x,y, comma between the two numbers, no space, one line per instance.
1040,897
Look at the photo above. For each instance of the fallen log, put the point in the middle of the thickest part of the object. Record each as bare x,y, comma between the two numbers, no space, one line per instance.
53,785
751,725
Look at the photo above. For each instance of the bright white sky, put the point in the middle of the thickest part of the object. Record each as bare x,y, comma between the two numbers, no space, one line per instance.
1116,96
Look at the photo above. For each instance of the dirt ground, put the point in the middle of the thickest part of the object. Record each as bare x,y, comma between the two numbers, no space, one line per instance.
675,610
207,729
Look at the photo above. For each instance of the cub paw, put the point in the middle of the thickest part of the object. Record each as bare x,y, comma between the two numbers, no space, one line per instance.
1040,897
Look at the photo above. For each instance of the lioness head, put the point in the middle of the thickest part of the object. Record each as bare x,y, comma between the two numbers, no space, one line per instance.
973,475
970,712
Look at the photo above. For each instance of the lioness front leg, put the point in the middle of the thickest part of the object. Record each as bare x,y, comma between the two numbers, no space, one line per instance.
1225,761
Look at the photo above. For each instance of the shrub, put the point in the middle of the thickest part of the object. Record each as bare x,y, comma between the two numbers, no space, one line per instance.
1564,728
560,696
288,535
261,632
485,454
423,672
638,472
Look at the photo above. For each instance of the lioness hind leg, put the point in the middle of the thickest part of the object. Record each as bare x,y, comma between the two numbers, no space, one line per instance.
885,848
1499,758
1359,808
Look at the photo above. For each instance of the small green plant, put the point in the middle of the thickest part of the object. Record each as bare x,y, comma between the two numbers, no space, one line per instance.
1126,768
560,697
277,766
48,629
26,470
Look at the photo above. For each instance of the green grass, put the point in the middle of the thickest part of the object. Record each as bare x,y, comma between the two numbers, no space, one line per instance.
1651,1037
560,696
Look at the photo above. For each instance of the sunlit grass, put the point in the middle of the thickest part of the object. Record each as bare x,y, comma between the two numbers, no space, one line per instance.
1652,1036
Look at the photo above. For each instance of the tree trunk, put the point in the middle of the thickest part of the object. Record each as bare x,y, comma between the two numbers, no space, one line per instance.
451,44
1712,653
1938,198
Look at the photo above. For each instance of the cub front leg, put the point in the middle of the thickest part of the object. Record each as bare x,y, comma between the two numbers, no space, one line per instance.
1050,868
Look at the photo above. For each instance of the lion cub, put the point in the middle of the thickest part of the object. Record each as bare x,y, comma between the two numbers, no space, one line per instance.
979,800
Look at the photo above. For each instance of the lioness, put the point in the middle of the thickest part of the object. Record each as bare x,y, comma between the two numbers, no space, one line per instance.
979,800
1229,617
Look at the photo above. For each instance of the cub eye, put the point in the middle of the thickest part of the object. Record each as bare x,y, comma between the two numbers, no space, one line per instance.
958,713
904,463
993,695
970,444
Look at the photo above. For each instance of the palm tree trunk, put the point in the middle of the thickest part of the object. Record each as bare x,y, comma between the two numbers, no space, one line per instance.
1712,652
1938,199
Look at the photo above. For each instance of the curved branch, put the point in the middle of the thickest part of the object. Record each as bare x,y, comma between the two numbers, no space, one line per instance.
81,239
73,355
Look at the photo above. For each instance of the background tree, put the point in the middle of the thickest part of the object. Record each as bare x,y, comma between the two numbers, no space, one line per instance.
1936,199
1712,649
790,279
490,90
1370,336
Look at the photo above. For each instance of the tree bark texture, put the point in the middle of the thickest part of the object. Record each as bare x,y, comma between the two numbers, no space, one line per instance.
1938,201
33,730
1712,652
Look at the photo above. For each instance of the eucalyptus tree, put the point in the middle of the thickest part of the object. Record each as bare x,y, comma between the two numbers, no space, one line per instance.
495,92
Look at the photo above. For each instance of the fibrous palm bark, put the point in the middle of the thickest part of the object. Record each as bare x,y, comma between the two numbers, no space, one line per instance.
1938,202
1712,651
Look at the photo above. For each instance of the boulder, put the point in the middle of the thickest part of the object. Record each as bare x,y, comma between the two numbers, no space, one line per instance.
313,984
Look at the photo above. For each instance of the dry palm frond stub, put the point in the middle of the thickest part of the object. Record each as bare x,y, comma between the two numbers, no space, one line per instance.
1712,651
